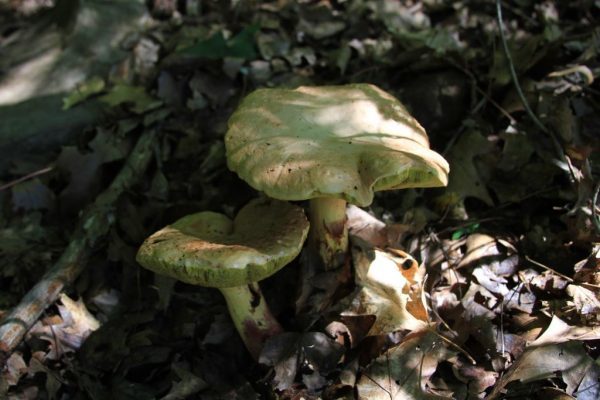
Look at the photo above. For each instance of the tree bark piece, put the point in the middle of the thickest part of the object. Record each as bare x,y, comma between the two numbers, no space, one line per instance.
94,224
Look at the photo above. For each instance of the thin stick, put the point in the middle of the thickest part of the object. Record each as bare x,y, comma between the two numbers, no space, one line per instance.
569,279
26,178
595,218
93,225
513,72
515,79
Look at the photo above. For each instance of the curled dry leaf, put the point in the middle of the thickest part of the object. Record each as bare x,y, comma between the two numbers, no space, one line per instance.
365,226
588,270
14,368
388,289
67,332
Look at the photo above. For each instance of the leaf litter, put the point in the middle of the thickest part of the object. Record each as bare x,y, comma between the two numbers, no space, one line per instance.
488,288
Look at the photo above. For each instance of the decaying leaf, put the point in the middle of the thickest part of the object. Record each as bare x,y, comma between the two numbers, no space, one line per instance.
402,372
567,360
314,352
188,385
386,292
15,368
586,302
366,227
477,378
482,248
67,332
466,178
559,332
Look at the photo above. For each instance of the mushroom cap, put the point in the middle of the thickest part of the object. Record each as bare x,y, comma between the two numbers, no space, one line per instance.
209,249
331,141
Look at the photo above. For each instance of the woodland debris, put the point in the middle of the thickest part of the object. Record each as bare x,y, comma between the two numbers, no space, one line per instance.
93,225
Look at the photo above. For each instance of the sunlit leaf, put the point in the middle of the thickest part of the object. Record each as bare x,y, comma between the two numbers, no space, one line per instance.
385,292
402,373
83,91
136,96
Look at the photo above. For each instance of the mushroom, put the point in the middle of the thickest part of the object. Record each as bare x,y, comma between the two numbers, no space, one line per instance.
208,249
332,145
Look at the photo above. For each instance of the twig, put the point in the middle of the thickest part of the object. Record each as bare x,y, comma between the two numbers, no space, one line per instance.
26,178
569,279
515,79
456,346
93,225
481,91
513,72
595,218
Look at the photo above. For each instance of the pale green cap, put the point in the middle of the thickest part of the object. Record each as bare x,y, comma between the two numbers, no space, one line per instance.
209,249
331,141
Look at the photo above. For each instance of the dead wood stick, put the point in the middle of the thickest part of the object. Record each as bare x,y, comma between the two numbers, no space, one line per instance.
94,224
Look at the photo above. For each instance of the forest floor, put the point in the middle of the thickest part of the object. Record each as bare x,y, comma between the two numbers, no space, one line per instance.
506,283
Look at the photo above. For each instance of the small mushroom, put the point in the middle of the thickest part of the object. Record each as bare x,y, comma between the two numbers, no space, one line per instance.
209,249
332,145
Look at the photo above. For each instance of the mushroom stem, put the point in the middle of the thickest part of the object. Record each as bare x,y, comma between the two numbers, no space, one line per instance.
329,232
251,316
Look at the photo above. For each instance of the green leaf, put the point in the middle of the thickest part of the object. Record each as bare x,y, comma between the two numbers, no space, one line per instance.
465,231
217,47
137,96
83,91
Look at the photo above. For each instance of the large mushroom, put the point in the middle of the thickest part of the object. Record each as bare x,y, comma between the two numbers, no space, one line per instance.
332,145
208,249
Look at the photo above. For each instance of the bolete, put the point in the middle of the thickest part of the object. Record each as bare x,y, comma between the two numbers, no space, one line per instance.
332,145
209,249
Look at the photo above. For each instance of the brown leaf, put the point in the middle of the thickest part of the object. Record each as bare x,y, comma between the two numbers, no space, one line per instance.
476,377
385,291
568,360
559,331
14,368
403,372
586,301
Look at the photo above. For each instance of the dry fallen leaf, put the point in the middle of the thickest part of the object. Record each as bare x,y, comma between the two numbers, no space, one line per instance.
385,291
69,331
480,247
313,354
14,368
586,302
559,331
402,373
566,360
477,378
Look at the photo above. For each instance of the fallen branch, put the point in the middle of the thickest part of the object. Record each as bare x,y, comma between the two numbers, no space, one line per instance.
93,225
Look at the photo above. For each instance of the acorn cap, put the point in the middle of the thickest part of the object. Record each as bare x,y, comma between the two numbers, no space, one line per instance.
331,141
209,249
